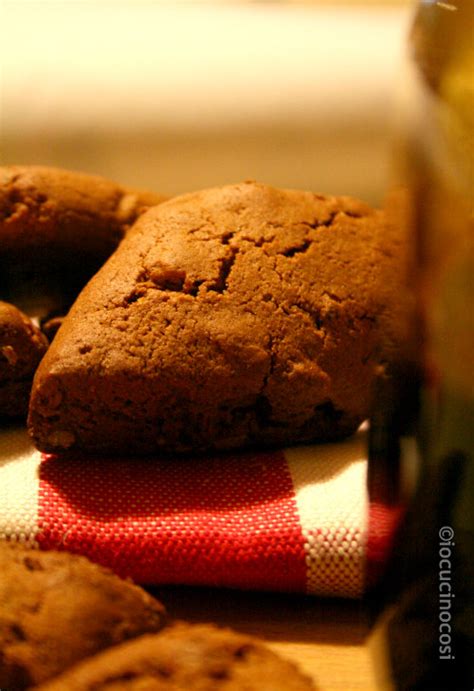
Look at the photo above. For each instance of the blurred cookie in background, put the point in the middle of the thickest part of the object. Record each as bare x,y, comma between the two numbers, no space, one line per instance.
22,345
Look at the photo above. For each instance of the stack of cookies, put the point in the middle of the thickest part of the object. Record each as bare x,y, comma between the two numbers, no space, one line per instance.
232,317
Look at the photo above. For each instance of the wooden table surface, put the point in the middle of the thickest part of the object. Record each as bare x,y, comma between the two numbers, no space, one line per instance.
326,638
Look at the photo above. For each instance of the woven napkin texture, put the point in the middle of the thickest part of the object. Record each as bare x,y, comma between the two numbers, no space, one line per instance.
290,520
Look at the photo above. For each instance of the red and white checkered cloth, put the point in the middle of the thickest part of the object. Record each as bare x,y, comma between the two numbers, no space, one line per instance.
292,520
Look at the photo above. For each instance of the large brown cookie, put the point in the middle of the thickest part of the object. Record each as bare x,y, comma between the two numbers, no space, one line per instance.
61,222
57,608
236,316
22,346
185,658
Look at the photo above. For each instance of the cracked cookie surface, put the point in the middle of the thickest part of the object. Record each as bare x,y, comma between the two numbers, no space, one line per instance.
236,316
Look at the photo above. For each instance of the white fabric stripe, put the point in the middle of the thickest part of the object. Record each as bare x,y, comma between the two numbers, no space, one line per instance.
331,495
19,484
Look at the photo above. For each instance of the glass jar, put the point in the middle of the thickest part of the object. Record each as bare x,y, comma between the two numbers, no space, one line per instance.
425,636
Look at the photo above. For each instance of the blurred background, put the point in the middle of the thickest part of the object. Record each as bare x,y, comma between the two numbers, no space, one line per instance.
177,96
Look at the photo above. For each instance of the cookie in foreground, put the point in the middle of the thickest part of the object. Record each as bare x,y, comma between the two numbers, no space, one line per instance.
231,317
57,608
22,345
197,657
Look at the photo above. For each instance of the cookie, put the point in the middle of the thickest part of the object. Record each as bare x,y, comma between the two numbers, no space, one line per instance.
22,345
50,326
235,316
57,608
61,222
185,657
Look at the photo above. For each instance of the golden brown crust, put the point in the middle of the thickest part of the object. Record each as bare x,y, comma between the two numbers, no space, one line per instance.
22,345
235,316
57,608
185,657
